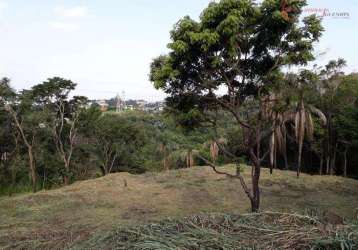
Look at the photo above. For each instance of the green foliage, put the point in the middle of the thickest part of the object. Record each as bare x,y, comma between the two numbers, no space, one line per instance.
118,142
200,51
346,123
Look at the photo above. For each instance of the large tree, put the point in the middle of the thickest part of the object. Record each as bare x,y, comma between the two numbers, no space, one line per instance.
28,120
231,59
8,135
62,112
345,117
331,80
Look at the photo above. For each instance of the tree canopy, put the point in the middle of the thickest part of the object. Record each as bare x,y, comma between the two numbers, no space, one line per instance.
237,46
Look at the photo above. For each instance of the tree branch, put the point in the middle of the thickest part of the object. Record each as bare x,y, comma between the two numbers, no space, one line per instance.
236,176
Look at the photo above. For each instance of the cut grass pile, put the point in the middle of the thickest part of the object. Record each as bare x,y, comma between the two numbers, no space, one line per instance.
266,230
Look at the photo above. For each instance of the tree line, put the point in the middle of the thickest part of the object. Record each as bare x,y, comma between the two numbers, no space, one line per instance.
50,138
55,136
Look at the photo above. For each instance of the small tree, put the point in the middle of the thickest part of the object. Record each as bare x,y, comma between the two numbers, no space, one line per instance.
118,141
237,47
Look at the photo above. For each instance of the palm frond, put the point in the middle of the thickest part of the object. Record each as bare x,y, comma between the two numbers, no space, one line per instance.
319,113
309,126
297,124
272,150
214,151
279,138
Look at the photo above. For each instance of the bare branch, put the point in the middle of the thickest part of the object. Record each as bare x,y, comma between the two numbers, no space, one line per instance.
236,176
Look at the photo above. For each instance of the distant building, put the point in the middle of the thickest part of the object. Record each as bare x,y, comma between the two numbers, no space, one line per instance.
103,105
121,104
141,104
88,104
160,106
130,107
154,107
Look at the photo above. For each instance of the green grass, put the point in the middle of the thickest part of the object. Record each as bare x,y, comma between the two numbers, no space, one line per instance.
17,189
90,209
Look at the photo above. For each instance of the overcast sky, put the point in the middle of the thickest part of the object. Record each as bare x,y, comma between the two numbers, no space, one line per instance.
106,46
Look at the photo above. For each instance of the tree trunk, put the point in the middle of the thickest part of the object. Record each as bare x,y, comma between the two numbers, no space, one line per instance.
66,178
6,163
284,149
255,201
321,165
345,163
285,158
275,161
103,170
301,135
165,163
272,153
328,145
299,163
189,159
255,198
32,168
13,181
252,169
44,180
327,165
333,161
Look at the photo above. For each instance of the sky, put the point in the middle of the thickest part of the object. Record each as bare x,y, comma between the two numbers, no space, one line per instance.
106,46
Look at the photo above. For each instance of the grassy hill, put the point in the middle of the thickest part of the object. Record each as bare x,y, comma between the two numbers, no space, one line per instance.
80,214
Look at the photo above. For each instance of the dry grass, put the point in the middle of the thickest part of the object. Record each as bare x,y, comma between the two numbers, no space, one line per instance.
60,218
267,230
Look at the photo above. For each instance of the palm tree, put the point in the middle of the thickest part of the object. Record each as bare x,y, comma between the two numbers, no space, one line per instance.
278,117
278,143
304,128
303,121
282,111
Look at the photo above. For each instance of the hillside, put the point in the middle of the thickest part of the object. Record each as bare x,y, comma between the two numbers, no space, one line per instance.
89,209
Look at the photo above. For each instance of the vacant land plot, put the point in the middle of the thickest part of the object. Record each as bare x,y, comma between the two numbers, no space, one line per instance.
86,210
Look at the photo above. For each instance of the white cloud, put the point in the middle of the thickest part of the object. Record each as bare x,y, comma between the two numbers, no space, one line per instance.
3,6
64,26
65,17
73,12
